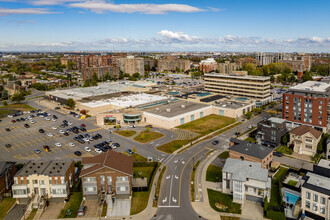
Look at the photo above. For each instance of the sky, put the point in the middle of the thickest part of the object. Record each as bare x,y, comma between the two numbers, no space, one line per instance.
165,25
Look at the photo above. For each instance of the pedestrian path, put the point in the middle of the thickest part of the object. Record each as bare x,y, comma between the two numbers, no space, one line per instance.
184,135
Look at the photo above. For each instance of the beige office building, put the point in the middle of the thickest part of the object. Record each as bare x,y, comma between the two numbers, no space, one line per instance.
228,67
239,84
131,65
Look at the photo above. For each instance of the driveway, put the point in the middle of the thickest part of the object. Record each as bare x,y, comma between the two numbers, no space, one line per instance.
52,211
294,162
91,211
121,207
252,210
16,213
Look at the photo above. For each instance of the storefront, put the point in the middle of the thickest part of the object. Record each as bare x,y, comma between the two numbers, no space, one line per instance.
132,119
110,120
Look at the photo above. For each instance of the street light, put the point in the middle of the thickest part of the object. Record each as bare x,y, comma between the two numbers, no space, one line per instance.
110,132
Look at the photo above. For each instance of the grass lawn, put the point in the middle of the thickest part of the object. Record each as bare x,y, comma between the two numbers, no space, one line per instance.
73,204
5,112
32,214
214,173
250,139
221,202
104,209
275,199
159,183
142,172
284,149
140,199
172,146
280,173
5,205
138,157
224,155
292,182
126,133
147,136
22,107
207,124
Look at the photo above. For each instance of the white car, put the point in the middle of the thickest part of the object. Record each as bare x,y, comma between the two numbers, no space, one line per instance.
41,116
88,149
48,119
10,116
50,135
30,117
98,150
54,128
48,114
26,112
62,132
58,144
85,139
70,123
53,119
71,144
31,121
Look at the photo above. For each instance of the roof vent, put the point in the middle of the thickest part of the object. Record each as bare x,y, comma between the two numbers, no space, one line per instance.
33,163
35,171
168,110
50,171
56,163
60,168
30,167
63,163
41,163
26,171
58,171
250,165
54,168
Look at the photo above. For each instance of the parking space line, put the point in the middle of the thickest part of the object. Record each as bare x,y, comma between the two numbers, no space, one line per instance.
6,148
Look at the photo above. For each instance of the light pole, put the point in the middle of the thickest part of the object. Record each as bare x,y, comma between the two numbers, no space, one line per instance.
110,132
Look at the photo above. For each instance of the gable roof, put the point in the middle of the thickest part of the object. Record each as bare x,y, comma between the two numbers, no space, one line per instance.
4,165
303,129
110,159
249,148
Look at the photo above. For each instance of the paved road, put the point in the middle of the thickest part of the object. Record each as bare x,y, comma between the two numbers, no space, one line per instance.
16,213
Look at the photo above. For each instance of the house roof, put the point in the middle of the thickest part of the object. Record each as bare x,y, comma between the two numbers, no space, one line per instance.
111,159
44,167
4,165
249,148
303,129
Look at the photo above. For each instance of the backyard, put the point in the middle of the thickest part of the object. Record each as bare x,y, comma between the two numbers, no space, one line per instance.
147,136
126,133
5,205
73,205
214,173
172,146
221,202
207,124
224,155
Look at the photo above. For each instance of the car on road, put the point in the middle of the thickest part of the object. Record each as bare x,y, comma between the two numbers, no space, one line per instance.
82,210
237,133
78,153
215,142
36,151
8,145
58,144
41,131
129,151
26,125
31,121
56,108
98,150
13,121
71,144
7,129
115,145
88,149
50,135
278,154
150,126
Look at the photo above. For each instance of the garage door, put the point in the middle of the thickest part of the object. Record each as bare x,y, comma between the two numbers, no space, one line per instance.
254,199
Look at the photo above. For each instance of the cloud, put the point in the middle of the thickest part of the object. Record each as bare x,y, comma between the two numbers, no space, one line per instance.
100,6
51,2
177,36
25,11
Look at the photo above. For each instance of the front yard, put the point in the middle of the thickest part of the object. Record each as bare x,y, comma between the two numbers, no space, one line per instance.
284,150
5,205
147,136
214,173
222,202
207,124
73,205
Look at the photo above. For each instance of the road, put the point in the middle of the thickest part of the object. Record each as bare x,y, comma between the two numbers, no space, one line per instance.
175,200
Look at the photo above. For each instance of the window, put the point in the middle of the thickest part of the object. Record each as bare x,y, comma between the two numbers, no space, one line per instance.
35,181
19,191
102,178
309,140
15,180
182,121
201,114
90,189
320,102
227,184
237,186
308,195
308,205
59,191
109,179
56,181
237,196
314,207
320,112
315,197
322,209
286,107
192,117
308,146
42,182
320,122
322,200
90,179
320,107
122,178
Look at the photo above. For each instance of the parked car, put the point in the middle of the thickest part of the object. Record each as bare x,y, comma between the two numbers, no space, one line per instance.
81,210
129,151
31,121
68,212
66,134
46,147
7,129
26,125
77,153
8,145
71,144
56,108
36,151
41,130
150,126
50,135
88,149
98,150
13,121
58,144
278,154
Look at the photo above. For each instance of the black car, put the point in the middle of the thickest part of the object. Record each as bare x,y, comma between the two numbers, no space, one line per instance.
100,136
86,135
18,120
75,131
278,154
96,145
41,130
65,121
80,136
78,153
81,141
8,145
57,108
7,129
76,138
116,144
54,116
82,128
26,125
237,133
215,142
66,134
104,149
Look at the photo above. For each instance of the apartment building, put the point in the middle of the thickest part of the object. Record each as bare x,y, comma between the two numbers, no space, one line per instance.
7,173
109,173
228,67
271,131
308,103
266,58
239,84
50,179
131,65
245,150
297,62
208,65
245,180
172,64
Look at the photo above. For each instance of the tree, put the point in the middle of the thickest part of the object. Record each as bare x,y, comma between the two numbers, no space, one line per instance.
306,77
127,75
248,115
136,75
134,149
71,103
94,77
4,94
121,75
4,103
18,97
272,78
285,139
71,65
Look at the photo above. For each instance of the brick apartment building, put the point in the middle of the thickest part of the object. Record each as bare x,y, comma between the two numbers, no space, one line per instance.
208,65
131,65
172,63
307,104
7,173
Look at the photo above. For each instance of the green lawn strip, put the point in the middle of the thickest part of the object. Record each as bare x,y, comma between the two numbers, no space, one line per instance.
275,199
138,158
126,133
214,173
250,139
147,136
172,146
140,199
284,150
22,107
228,128
280,173
5,112
5,205
292,182
32,214
222,202
104,209
192,180
73,205
224,155
159,183
207,124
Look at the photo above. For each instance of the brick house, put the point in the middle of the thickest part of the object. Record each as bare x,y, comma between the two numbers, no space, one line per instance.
271,131
248,151
110,172
7,173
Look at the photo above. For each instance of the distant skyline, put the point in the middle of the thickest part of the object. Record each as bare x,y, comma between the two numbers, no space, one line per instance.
172,25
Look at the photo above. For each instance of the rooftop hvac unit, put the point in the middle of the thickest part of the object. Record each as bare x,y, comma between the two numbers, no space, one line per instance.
183,106
168,110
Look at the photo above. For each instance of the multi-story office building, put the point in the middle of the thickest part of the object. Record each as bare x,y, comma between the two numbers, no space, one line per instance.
266,58
208,65
307,103
47,179
172,64
271,131
131,65
228,67
239,84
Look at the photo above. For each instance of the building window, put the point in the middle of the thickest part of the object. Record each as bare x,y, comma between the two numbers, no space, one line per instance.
322,200
320,102
90,179
308,195
182,121
42,182
314,207
35,181
315,197
322,209
286,107
122,178
201,114
237,196
109,179
320,122
15,180
308,205
320,107
309,140
192,117
102,178
90,189
308,146
19,191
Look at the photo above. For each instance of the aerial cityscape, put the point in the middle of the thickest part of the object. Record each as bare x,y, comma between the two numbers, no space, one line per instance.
165,110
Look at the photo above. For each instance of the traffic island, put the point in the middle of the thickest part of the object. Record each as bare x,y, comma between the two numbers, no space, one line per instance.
126,133
147,136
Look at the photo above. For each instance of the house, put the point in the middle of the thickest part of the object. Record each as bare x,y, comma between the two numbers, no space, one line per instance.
271,131
7,173
44,179
248,151
13,88
245,180
110,172
304,140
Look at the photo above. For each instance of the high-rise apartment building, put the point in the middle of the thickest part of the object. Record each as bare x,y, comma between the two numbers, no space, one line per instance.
131,65
172,64
228,67
308,104
297,62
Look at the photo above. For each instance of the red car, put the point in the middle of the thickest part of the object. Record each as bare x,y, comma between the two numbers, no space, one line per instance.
83,125
46,148
13,121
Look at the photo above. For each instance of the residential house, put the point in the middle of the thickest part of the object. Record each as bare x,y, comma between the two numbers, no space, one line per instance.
305,140
245,150
7,173
46,179
13,88
245,180
270,131
110,172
